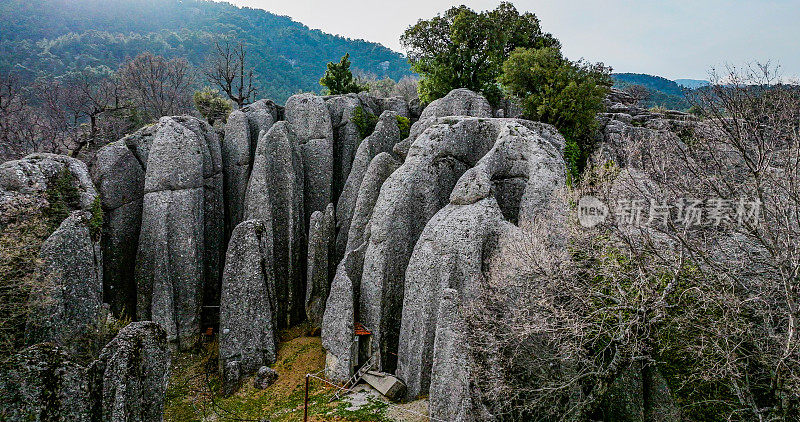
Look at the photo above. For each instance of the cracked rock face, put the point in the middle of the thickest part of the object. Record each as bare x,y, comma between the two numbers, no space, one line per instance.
275,195
180,240
321,233
67,301
247,338
129,378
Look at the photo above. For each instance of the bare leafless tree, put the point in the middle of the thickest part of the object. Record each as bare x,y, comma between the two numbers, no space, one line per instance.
714,305
157,86
230,70
639,93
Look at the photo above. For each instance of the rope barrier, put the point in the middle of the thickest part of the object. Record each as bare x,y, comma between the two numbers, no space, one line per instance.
388,404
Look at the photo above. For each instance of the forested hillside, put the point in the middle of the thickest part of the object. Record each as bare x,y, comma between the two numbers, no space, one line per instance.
52,37
663,92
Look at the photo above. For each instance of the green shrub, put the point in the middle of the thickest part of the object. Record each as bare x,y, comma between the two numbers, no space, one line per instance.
364,121
62,198
404,124
563,93
212,105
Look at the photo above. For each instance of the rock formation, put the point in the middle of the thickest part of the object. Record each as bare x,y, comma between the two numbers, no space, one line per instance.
275,195
129,378
382,140
41,383
181,189
322,228
242,132
65,305
311,121
247,338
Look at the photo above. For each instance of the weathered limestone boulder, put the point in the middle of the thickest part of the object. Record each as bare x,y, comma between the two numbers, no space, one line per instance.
382,140
459,102
170,268
66,303
340,310
129,379
119,178
275,195
409,198
516,180
41,383
242,132
265,377
338,321
247,338
24,184
322,229
379,169
311,121
452,398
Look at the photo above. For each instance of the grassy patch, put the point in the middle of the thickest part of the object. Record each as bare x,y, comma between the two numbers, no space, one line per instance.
194,392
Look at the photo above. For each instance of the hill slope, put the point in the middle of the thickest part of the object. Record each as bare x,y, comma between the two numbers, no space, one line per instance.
663,92
56,36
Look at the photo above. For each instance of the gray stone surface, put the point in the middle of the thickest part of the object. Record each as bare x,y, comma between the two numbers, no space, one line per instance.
41,383
275,195
451,398
322,228
379,169
119,178
265,377
517,179
338,321
242,131
311,121
382,140
248,306
170,268
66,302
129,378
409,198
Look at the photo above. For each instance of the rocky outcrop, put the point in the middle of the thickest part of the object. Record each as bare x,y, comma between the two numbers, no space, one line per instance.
338,321
242,131
129,378
322,228
379,169
275,195
41,383
119,178
181,188
265,377
513,182
248,330
311,121
409,198
382,140
459,102
66,303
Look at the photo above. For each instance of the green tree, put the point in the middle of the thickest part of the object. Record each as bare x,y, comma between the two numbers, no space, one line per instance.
339,79
212,105
465,49
563,93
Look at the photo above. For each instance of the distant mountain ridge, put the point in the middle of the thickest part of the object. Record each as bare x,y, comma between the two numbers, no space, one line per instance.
663,92
57,36
692,83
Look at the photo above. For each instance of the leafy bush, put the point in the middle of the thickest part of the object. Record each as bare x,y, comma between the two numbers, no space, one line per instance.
212,105
364,121
565,94
339,79
404,124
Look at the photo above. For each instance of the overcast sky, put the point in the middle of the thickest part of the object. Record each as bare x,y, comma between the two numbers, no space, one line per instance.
670,38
